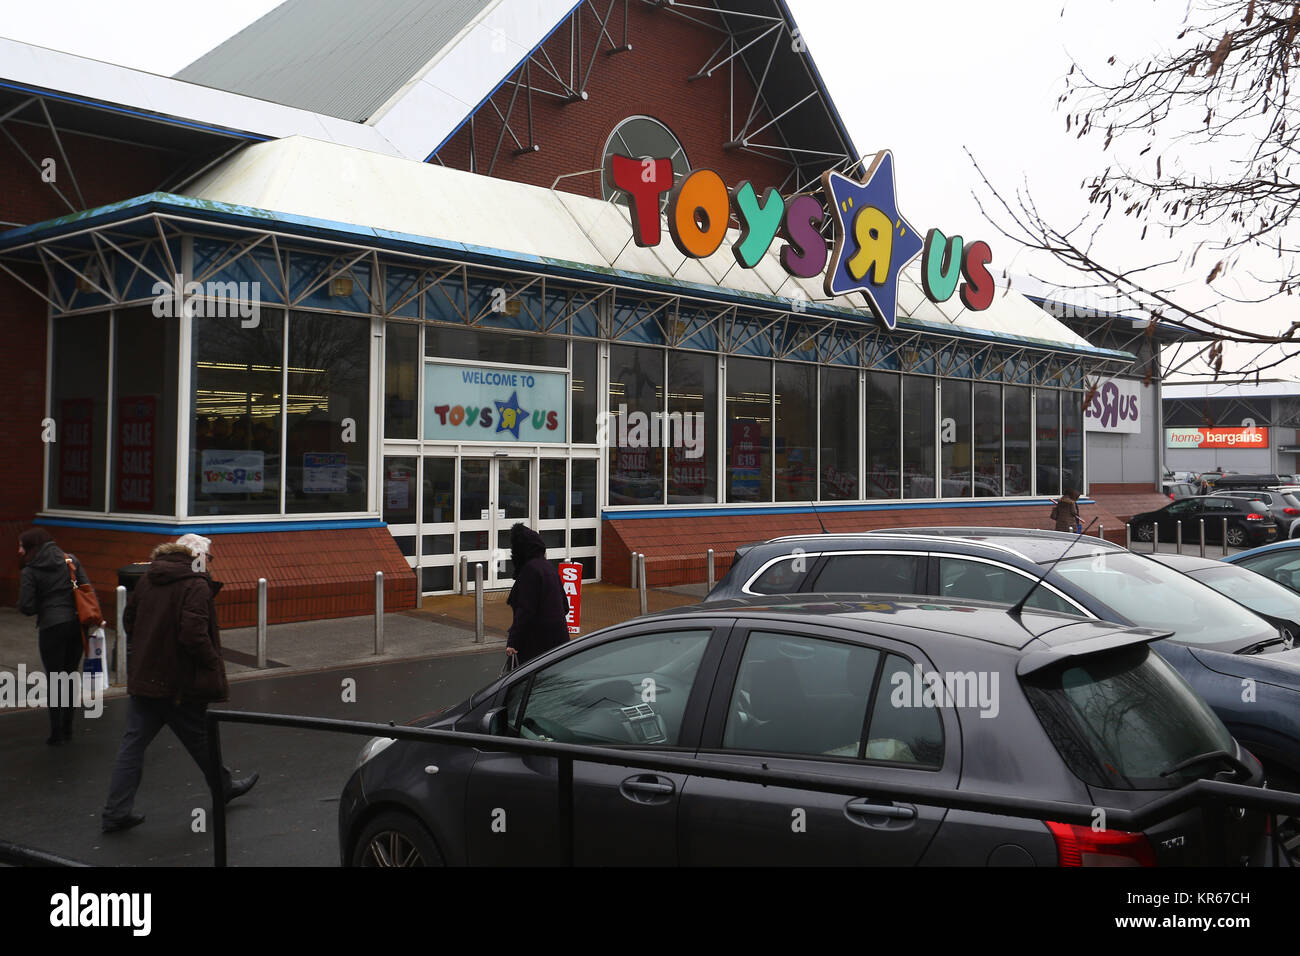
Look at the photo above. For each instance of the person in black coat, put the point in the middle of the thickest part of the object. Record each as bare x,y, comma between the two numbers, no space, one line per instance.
537,598
46,591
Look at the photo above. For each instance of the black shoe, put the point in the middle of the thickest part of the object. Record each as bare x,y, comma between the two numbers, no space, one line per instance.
126,823
240,787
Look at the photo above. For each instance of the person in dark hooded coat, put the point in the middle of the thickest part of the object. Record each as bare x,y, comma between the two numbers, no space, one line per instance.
537,598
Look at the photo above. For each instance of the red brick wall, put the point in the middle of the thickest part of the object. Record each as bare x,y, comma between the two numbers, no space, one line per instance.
651,80
310,574
675,547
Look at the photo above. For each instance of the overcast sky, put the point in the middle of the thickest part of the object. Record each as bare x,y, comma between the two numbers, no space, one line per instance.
927,80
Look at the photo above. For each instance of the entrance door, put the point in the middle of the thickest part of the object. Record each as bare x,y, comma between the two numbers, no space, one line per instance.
494,494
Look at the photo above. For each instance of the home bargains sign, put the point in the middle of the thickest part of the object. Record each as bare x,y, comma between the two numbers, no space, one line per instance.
1249,437
873,242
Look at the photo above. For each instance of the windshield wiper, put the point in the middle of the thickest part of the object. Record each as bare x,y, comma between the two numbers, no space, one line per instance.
1261,645
1240,768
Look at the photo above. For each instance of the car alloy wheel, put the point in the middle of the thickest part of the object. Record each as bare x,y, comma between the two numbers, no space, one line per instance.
1145,531
391,848
1236,536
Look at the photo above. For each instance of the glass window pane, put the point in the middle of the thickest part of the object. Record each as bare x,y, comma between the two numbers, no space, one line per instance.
882,435
399,490
473,345
874,573
583,537
401,379
436,579
954,438
1072,440
749,430
838,460
693,453
1048,442
595,696
796,432
911,734
438,544
582,493
144,441
513,478
327,431
439,486
1016,433
918,437
989,582
800,695
988,440
585,395
79,407
235,441
636,404
550,489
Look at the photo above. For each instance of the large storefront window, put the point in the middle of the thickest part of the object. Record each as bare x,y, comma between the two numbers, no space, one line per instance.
882,435
838,461
749,430
235,445
636,403
78,405
144,412
1016,434
693,412
1072,440
1048,441
954,439
401,379
988,440
327,438
585,393
473,345
918,437
796,432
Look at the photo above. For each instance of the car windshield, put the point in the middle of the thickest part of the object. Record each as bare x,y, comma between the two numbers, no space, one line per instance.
1152,595
1124,719
1253,590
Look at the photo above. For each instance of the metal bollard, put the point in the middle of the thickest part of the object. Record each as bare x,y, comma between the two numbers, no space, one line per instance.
1179,538
710,566
478,604
261,623
120,639
1202,537
1155,537
1128,535
641,582
632,575
1224,539
464,575
379,613
1101,531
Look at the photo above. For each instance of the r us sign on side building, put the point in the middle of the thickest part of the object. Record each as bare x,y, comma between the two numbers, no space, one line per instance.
1115,407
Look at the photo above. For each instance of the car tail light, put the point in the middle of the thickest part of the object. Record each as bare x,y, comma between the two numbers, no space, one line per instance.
1083,846
1254,517
1171,497
1291,511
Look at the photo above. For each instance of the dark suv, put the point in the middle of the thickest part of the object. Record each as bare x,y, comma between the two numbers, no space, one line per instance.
1220,647
908,698
1282,504
1249,522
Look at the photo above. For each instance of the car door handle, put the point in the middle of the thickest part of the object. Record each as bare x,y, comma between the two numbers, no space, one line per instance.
866,808
653,787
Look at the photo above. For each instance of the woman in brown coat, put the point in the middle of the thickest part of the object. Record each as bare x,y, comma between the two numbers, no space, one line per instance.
1066,511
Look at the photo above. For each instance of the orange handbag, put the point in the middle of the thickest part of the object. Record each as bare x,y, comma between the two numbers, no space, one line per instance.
88,611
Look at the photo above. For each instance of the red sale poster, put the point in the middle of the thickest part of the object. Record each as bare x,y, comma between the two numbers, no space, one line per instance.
136,420
571,579
74,444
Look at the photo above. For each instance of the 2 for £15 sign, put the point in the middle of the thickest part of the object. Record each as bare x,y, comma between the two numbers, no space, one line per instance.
873,242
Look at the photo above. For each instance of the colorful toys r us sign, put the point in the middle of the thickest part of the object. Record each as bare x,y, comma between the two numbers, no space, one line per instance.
873,242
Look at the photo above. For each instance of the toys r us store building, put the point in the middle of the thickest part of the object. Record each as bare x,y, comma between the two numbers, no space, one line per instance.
369,283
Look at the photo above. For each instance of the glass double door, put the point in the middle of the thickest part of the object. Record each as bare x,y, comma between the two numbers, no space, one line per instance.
495,493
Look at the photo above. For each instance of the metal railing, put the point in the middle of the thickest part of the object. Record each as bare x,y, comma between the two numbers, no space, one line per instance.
1221,797
1178,536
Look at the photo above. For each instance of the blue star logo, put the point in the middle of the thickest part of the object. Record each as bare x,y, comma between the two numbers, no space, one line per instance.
510,416
873,242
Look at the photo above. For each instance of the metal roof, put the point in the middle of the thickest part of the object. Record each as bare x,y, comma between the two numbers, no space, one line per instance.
337,57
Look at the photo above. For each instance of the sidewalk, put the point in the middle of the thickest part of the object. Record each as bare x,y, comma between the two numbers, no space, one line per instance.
442,627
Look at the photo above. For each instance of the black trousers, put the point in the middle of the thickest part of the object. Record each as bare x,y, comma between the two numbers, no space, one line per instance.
145,717
61,654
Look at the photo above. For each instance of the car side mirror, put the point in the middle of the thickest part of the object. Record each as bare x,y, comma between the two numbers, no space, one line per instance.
494,722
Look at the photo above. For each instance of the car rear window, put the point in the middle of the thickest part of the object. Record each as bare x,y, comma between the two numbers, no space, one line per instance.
878,573
1123,719
784,576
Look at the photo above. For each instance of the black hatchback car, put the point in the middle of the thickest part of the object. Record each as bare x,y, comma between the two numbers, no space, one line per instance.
1220,647
1248,523
894,693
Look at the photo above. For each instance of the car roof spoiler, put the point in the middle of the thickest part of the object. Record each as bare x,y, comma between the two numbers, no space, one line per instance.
1037,660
